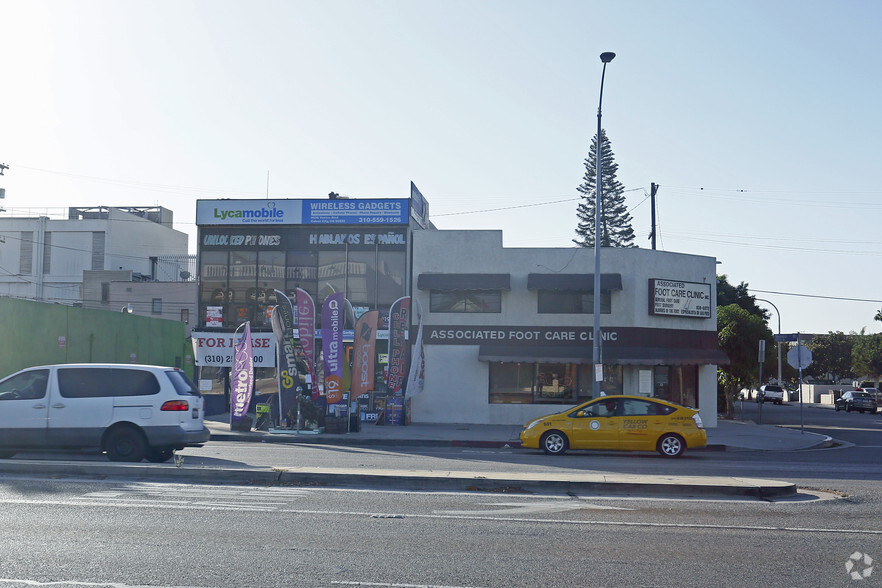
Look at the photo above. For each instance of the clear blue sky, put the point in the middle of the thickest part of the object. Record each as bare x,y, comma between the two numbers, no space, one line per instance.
759,120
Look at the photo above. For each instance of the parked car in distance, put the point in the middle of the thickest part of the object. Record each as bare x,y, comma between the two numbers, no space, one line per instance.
875,393
630,423
771,393
129,411
856,400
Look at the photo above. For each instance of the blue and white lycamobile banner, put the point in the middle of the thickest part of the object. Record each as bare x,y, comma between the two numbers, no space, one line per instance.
243,378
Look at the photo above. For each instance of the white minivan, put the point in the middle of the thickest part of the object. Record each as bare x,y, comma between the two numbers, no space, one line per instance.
129,411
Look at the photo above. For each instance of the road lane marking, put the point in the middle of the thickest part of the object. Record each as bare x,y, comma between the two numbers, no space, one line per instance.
520,508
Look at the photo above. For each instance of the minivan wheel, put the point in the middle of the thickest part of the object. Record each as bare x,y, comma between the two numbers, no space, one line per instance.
554,443
159,454
671,445
125,444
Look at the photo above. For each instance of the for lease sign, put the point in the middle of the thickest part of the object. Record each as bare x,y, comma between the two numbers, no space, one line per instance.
217,349
677,298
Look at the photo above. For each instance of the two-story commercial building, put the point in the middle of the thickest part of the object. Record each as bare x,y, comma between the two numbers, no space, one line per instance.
507,332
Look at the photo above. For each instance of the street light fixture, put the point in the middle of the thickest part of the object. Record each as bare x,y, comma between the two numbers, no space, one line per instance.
779,334
598,193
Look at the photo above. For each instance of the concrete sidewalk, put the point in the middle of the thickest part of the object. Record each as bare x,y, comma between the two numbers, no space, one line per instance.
727,436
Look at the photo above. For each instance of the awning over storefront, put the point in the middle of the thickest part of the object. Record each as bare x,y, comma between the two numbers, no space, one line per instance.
464,282
611,355
573,282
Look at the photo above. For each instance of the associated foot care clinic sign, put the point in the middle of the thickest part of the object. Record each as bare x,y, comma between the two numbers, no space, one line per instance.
676,298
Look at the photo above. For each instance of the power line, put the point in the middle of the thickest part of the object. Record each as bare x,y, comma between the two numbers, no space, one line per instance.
841,298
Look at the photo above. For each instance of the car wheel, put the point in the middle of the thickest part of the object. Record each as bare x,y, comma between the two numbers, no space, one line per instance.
847,408
671,445
554,443
125,444
159,454
6,454
837,407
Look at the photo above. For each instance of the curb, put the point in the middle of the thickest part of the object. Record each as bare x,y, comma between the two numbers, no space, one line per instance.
416,481
362,442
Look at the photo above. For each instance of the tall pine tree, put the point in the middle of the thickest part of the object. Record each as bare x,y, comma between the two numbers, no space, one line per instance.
615,222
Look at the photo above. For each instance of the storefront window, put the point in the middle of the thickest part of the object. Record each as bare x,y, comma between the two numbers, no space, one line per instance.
677,384
331,273
549,383
556,382
613,382
243,285
511,383
302,272
564,302
361,283
239,273
270,277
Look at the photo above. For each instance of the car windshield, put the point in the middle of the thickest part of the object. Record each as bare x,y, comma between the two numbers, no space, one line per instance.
774,389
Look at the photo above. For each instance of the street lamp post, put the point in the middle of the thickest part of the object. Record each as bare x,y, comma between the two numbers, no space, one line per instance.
779,334
598,193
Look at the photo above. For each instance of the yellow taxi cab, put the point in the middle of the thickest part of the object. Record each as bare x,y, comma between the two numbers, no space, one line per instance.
630,423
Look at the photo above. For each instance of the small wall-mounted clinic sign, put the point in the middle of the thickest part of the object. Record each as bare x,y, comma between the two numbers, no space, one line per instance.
676,298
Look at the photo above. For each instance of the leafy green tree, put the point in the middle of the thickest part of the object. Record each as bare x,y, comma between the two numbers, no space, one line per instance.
831,354
866,355
739,332
728,294
615,221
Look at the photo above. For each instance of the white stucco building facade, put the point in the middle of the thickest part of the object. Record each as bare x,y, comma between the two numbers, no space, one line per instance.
507,332
43,256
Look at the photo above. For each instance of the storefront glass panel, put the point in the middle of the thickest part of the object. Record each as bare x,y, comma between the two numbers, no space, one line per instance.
331,273
511,383
556,382
677,384
270,276
613,382
361,282
302,272
243,286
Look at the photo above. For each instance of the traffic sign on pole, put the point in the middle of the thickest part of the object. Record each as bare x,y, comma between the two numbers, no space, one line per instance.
799,357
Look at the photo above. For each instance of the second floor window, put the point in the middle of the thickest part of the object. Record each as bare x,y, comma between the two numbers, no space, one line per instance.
572,302
465,301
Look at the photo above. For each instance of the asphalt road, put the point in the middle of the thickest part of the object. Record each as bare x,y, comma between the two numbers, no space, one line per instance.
119,534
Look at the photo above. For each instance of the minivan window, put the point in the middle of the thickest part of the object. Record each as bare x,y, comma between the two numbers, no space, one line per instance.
101,382
29,385
183,385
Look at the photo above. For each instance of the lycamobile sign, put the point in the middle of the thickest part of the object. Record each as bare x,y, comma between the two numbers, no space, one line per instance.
240,212
265,214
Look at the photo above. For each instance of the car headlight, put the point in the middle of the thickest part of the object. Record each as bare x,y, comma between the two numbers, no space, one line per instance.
532,424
